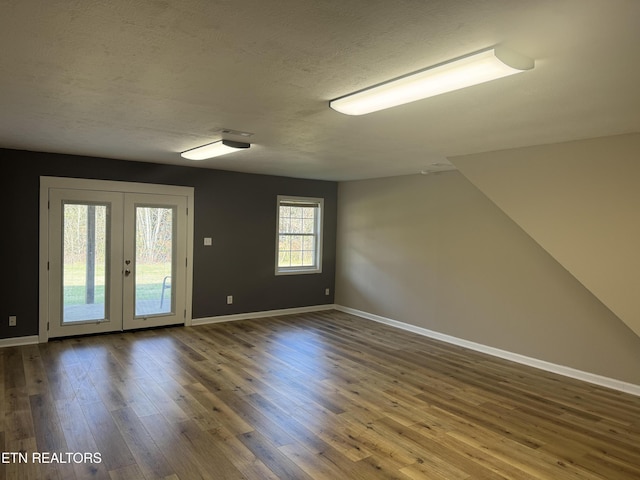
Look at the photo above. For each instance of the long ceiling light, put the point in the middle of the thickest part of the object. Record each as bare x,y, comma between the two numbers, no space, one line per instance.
215,149
479,67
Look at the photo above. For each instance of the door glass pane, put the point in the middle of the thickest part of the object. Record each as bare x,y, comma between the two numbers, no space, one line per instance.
84,264
154,260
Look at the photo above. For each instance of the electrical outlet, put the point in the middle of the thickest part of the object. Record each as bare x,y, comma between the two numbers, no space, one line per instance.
12,320
327,291
229,299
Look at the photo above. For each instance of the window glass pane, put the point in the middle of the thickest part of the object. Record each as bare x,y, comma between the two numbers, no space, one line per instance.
284,259
308,225
154,260
285,224
284,243
307,258
296,225
308,243
296,242
296,258
84,269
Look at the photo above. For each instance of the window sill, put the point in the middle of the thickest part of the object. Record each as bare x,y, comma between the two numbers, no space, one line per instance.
298,271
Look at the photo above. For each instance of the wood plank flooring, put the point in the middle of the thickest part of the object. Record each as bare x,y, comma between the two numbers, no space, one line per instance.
316,396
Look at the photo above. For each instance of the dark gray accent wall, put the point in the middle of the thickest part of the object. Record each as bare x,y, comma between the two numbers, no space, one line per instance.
237,210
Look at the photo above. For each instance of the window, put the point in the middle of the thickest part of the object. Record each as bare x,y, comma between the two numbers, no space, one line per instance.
299,235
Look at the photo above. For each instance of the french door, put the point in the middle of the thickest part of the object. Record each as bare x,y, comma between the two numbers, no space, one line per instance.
117,260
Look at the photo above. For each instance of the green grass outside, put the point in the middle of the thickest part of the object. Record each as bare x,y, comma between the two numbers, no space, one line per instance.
149,283
75,295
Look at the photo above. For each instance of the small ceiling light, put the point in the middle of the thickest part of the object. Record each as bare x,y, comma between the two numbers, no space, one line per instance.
479,67
215,149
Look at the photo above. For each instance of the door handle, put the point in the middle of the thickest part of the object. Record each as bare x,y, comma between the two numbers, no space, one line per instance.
127,272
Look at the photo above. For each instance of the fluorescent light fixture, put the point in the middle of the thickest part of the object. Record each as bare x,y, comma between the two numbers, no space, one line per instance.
215,149
479,67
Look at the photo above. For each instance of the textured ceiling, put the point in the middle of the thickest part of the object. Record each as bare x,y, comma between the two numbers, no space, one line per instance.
146,80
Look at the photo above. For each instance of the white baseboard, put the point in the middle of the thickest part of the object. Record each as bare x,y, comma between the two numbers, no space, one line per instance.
18,341
496,352
267,313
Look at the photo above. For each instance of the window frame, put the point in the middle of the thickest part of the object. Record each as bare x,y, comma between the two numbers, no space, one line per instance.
318,234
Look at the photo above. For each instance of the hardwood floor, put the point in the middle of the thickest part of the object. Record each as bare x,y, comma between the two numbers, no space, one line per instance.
315,396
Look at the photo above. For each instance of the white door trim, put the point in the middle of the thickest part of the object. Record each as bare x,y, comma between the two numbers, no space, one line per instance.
47,183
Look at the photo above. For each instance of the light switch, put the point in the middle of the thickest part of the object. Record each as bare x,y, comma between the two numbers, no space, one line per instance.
207,241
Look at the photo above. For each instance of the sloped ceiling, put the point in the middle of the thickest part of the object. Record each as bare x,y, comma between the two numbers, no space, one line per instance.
579,201
146,80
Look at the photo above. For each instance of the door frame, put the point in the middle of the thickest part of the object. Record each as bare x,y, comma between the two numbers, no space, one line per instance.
47,183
